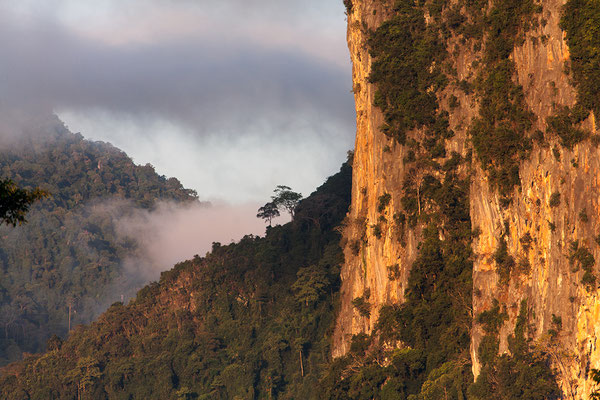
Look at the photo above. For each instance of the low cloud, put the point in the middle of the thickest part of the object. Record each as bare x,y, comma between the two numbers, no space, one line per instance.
256,88
173,232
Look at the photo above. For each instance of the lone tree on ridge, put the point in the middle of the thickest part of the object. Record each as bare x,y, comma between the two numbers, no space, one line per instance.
287,199
268,212
283,199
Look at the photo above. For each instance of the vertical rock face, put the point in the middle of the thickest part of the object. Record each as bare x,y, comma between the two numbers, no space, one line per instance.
377,171
554,210
378,259
540,232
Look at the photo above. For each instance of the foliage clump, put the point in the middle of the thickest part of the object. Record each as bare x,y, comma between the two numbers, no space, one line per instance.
581,22
521,374
383,201
500,133
595,375
362,305
526,241
349,6
393,272
377,232
563,123
505,263
581,257
15,202
408,55
554,200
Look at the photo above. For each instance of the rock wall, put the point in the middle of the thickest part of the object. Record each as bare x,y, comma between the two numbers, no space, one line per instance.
376,171
552,286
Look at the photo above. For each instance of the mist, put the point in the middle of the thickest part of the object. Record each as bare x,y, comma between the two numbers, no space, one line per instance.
171,233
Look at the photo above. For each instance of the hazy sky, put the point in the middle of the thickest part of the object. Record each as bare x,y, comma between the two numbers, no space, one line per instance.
230,96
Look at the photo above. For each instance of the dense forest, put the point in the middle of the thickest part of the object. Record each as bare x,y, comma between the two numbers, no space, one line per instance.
67,258
249,320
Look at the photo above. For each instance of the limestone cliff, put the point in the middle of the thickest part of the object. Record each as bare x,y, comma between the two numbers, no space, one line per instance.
376,171
550,213
379,170
552,286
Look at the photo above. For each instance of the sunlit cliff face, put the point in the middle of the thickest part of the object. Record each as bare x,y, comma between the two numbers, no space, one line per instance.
552,285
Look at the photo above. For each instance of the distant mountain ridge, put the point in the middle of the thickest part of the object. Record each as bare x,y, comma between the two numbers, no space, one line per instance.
68,254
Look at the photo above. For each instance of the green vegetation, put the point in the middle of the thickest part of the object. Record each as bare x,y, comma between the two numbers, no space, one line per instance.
250,320
554,200
408,55
556,153
383,201
581,257
521,374
286,199
377,232
283,199
15,202
505,263
500,133
556,326
348,4
268,212
581,22
526,241
595,375
393,272
362,305
563,124
69,251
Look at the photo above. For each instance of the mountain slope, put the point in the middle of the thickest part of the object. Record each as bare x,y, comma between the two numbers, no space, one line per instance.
68,255
249,320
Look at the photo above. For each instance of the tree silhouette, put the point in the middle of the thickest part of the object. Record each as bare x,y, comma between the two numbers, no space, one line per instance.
15,202
287,199
268,212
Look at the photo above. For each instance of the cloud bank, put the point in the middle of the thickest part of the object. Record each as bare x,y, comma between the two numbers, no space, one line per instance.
232,97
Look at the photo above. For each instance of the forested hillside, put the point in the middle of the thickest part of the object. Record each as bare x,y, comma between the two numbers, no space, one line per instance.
249,320
68,255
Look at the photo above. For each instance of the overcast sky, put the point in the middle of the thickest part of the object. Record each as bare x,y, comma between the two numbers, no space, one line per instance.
232,97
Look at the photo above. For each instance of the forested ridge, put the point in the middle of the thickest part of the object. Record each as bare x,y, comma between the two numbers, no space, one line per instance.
68,255
249,320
